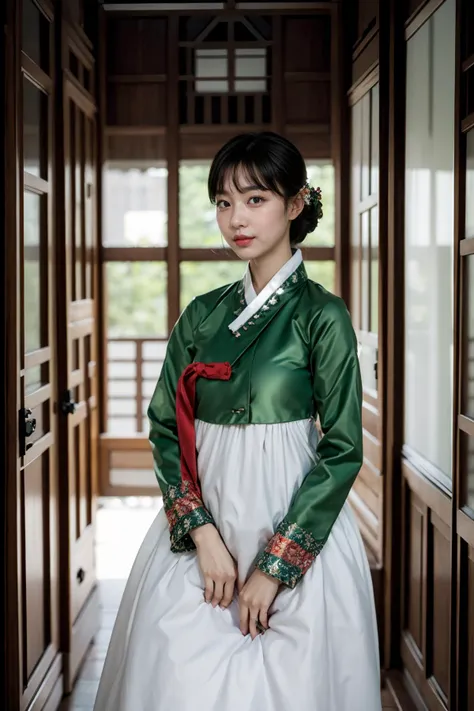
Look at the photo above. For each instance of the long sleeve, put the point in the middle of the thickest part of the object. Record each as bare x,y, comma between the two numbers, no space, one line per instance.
184,508
337,393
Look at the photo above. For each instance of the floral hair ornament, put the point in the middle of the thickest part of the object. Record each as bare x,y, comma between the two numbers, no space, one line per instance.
312,196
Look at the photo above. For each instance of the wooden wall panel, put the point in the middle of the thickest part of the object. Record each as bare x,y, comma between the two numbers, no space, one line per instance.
136,45
307,44
415,571
308,103
137,105
134,148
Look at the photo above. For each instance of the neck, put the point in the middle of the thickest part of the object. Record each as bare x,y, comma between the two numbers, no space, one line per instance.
265,267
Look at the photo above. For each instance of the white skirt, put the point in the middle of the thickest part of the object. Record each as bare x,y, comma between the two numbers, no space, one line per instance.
171,651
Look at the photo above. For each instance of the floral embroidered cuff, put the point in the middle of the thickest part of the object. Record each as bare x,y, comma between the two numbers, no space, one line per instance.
289,553
185,512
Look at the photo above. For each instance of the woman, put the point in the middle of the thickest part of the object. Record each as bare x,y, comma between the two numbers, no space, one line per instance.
252,590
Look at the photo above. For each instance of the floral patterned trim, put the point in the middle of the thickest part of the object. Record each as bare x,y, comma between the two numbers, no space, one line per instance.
297,276
289,553
185,512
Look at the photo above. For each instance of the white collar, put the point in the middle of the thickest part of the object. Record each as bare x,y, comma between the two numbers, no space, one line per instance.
255,301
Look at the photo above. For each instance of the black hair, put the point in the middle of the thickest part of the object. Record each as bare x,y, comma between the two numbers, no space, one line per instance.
270,162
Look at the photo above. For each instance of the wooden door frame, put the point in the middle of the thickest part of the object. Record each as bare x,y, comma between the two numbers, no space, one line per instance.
397,30
11,167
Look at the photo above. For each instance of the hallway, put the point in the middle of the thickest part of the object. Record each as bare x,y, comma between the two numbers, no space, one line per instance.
113,112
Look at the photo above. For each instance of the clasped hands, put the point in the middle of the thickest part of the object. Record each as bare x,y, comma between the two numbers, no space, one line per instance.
220,577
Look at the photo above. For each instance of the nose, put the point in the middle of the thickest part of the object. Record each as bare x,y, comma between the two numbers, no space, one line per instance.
238,218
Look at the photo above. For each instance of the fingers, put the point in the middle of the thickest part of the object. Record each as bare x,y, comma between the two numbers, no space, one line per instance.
253,613
244,618
209,589
218,593
228,594
263,618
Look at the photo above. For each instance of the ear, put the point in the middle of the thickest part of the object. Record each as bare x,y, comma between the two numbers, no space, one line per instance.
295,207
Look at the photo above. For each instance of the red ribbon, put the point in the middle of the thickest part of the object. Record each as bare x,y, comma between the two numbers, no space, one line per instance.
185,402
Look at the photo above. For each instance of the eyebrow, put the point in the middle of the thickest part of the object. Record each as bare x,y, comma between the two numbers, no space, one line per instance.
245,189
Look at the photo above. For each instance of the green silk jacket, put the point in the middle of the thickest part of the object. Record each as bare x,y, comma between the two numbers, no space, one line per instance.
293,354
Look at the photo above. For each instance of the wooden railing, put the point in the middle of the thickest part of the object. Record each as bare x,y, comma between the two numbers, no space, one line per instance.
133,367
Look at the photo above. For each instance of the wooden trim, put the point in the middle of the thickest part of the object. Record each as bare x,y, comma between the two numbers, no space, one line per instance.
137,78
364,42
35,184
38,448
35,74
321,128
79,43
421,15
46,7
397,685
425,468
38,396
432,496
392,196
101,68
458,231
465,527
368,203
162,6
134,130
340,145
42,355
278,85
289,6
50,658
220,129
466,246
467,123
306,76
173,147
13,640
79,95
365,83
468,63
466,424
134,254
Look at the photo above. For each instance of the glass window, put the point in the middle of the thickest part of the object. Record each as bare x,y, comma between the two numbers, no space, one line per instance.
136,299
197,216
200,277
429,238
33,268
211,65
469,232
322,175
467,468
374,139
323,273
250,64
374,270
35,34
35,132
135,205
467,403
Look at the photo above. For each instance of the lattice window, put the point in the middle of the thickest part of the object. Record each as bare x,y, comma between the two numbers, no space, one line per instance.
225,67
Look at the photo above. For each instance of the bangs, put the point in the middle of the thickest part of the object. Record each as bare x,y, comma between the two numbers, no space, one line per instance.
242,171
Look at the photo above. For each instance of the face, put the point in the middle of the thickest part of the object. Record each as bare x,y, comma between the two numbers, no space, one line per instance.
254,222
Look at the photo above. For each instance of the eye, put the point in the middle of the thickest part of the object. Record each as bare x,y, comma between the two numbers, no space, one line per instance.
221,204
258,200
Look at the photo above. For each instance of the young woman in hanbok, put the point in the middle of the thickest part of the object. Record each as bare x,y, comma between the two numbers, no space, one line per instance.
252,589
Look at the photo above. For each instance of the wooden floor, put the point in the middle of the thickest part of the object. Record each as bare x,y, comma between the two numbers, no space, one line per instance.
119,530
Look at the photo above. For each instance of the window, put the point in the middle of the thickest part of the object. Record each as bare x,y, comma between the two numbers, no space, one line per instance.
135,205
213,76
429,216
